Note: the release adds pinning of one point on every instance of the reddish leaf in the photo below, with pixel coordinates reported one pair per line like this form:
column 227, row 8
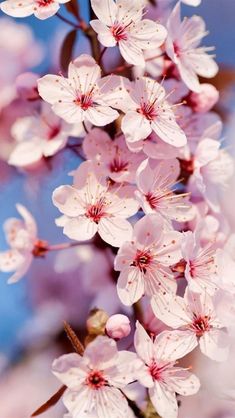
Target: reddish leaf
column 73, row 8
column 66, row 54
column 51, row 402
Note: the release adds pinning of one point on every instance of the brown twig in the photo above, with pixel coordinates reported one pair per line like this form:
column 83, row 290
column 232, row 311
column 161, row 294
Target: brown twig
column 73, row 338
column 51, row 402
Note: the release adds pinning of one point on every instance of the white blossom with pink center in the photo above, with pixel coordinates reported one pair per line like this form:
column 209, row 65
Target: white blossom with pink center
column 200, row 263
column 91, row 206
column 195, row 319
column 144, row 261
column 183, row 47
column 94, row 381
column 21, row 235
column 42, row 9
column 111, row 157
column 214, row 168
column 148, row 110
column 157, row 190
column 158, row 373
column 120, row 23
column 84, row 95
column 40, row 135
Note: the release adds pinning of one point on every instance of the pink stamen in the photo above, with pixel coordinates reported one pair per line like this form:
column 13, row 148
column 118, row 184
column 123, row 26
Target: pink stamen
column 84, row 100
column 95, row 380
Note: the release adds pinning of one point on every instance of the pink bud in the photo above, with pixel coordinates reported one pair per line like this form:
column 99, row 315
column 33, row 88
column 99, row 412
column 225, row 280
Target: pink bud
column 202, row 102
column 26, row 85
column 118, row 326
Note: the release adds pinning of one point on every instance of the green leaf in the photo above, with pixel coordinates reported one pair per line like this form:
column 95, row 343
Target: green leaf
column 66, row 54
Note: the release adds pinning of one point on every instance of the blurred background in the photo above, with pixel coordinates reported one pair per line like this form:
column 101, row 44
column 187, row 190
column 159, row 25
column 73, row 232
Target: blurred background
column 31, row 311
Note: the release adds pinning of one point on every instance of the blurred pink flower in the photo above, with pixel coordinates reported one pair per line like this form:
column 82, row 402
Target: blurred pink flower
column 21, row 236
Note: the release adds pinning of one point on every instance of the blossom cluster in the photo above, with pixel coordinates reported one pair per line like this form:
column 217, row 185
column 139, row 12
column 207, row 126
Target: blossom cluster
column 143, row 206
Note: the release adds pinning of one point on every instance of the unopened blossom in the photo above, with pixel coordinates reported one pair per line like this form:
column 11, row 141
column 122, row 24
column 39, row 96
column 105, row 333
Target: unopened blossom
column 40, row 135
column 200, row 263
column 42, row 9
column 213, row 168
column 195, row 318
column 118, row 326
column 120, row 23
column 144, row 261
column 111, row 157
column 148, row 110
column 83, row 96
column 158, row 373
column 183, row 47
column 21, row 235
column 94, row 381
column 157, row 187
column 91, row 206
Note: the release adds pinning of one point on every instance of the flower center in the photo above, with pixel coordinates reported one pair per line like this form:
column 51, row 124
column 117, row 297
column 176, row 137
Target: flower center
column 119, row 32
column 95, row 379
column 155, row 371
column 84, row 100
column 96, row 211
column 45, row 3
column 142, row 260
column 176, row 49
column 148, row 110
column 117, row 165
column 200, row 324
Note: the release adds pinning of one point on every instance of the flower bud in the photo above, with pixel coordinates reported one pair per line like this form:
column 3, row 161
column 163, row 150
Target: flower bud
column 202, row 102
column 118, row 326
column 96, row 322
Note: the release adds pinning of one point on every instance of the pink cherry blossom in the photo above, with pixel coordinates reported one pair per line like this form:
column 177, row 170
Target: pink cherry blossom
column 154, row 147
column 118, row 326
column 195, row 318
column 83, row 96
column 91, row 206
column 120, row 23
column 197, row 126
column 26, row 85
column 203, row 101
column 200, row 268
column 158, row 373
column 111, row 157
column 214, row 168
column 144, row 261
column 41, row 135
column 182, row 46
column 42, row 9
column 21, row 236
column 148, row 110
column 157, row 184
column 94, row 381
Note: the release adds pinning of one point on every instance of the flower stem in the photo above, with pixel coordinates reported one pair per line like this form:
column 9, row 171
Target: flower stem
column 69, row 22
